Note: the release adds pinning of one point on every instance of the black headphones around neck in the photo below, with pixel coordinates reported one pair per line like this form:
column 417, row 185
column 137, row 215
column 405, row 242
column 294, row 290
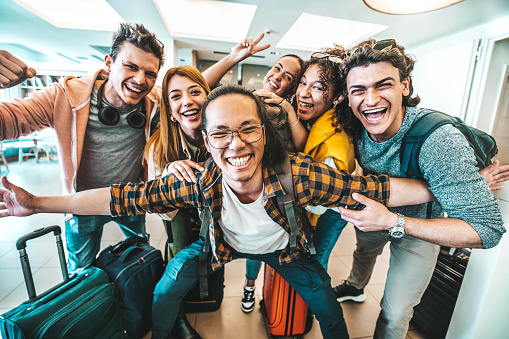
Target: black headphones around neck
column 110, row 116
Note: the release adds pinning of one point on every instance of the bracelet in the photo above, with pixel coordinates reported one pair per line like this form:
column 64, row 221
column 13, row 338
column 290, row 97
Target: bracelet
column 296, row 122
column 281, row 101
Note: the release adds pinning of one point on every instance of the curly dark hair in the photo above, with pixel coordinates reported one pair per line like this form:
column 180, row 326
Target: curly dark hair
column 140, row 37
column 274, row 152
column 363, row 55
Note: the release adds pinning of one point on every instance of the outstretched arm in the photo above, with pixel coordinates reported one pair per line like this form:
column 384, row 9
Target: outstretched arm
column 13, row 71
column 243, row 50
column 441, row 231
column 15, row 201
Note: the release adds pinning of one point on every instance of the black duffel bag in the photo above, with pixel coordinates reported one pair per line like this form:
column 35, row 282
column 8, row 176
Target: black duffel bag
column 135, row 267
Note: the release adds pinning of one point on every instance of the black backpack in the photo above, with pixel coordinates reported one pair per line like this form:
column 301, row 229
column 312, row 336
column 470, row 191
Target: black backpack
column 484, row 145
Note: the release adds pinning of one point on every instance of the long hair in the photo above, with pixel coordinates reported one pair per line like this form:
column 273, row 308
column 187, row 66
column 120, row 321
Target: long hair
column 274, row 152
column 140, row 37
column 164, row 145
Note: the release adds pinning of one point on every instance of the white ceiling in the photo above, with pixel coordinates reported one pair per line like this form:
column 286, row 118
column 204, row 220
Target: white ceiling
column 24, row 33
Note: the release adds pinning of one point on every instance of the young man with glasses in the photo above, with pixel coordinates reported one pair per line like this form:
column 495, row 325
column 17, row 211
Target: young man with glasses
column 101, row 123
column 239, row 188
column 379, row 90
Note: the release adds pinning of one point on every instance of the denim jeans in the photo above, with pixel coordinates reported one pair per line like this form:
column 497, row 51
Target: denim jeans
column 83, row 235
column 305, row 275
column 327, row 231
column 411, row 266
column 252, row 269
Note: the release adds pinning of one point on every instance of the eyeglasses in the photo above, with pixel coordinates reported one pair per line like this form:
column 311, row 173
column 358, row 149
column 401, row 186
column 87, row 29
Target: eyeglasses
column 222, row 138
column 320, row 55
column 382, row 46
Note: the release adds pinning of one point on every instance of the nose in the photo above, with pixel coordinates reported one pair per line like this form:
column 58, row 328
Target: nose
column 186, row 99
column 236, row 142
column 372, row 97
column 304, row 91
column 139, row 77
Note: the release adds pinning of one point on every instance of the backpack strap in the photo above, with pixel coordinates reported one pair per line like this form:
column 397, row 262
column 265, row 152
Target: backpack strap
column 205, row 216
column 415, row 137
column 288, row 207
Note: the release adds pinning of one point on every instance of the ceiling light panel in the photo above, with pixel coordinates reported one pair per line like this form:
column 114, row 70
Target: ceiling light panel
column 205, row 19
column 408, row 6
column 312, row 32
column 77, row 14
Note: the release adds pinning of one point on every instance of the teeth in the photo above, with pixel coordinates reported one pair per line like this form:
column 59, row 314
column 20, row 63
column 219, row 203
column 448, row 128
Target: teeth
column 374, row 115
column 273, row 84
column 304, row 104
column 131, row 88
column 237, row 162
column 376, row 110
column 191, row 112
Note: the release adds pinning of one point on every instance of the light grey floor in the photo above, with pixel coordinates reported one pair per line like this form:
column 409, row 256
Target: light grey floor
column 229, row 321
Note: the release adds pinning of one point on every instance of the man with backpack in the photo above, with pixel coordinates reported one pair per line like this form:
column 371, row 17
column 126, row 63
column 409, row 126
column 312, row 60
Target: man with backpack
column 379, row 91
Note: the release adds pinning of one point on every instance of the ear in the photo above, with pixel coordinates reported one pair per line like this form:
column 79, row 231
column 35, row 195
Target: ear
column 108, row 60
column 406, row 87
column 206, row 141
column 339, row 100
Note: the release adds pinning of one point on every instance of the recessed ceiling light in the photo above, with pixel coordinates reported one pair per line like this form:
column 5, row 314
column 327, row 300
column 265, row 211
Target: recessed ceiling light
column 211, row 20
column 78, row 14
column 408, row 6
column 307, row 32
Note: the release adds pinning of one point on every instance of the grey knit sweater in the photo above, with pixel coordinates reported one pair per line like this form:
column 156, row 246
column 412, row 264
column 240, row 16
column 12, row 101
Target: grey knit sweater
column 448, row 164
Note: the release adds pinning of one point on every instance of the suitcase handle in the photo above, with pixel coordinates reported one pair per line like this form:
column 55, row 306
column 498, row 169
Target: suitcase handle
column 25, row 264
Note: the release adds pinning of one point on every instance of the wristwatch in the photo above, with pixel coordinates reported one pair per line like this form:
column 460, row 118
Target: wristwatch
column 398, row 231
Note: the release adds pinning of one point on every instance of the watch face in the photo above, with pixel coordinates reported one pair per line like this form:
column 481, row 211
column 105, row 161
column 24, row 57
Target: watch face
column 397, row 232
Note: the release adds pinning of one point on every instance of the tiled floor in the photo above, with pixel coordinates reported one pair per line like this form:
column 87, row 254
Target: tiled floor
column 228, row 322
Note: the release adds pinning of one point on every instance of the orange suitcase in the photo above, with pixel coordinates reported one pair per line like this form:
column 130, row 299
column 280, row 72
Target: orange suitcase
column 284, row 309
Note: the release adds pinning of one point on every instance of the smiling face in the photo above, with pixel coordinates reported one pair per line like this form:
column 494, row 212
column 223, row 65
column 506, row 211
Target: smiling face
column 280, row 77
column 312, row 98
column 186, row 99
column 375, row 94
column 240, row 163
column 132, row 75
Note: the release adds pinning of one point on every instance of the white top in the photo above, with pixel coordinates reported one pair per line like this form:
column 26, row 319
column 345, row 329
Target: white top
column 248, row 228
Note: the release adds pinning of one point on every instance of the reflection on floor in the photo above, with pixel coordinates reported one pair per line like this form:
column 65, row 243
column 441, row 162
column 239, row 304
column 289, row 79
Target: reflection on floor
column 228, row 322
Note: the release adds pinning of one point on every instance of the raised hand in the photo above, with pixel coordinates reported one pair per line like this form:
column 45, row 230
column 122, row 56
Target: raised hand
column 13, row 71
column 248, row 47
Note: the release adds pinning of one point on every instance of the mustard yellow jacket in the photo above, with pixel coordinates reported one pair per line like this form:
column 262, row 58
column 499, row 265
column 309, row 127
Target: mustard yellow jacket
column 325, row 142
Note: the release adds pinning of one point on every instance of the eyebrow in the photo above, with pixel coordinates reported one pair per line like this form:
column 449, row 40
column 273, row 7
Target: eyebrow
column 245, row 123
column 178, row 90
column 376, row 83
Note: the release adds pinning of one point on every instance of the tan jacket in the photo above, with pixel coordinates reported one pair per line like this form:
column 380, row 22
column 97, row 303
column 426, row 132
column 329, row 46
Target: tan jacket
column 64, row 107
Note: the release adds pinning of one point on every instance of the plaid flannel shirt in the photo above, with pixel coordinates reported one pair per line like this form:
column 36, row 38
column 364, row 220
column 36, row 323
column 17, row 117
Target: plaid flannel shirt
column 315, row 184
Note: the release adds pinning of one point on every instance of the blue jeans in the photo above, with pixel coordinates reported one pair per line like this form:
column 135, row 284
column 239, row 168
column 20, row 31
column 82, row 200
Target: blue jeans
column 327, row 231
column 305, row 275
column 83, row 235
column 252, row 269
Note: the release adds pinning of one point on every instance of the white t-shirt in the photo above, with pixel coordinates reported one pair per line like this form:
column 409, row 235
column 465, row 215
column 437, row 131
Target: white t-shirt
column 248, row 228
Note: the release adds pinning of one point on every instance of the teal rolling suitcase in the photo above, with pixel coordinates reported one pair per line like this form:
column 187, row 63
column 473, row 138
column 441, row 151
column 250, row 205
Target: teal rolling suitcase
column 84, row 305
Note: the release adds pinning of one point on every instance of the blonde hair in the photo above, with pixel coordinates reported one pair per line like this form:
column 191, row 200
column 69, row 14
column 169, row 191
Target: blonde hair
column 164, row 145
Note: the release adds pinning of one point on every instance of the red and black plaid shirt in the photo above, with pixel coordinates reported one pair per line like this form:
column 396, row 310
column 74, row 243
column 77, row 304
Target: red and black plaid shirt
column 315, row 184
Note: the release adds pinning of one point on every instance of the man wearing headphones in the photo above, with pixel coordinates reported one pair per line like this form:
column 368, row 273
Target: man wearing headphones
column 101, row 123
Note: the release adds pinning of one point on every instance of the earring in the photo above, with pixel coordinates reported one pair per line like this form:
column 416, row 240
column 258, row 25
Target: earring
column 335, row 104
column 173, row 119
